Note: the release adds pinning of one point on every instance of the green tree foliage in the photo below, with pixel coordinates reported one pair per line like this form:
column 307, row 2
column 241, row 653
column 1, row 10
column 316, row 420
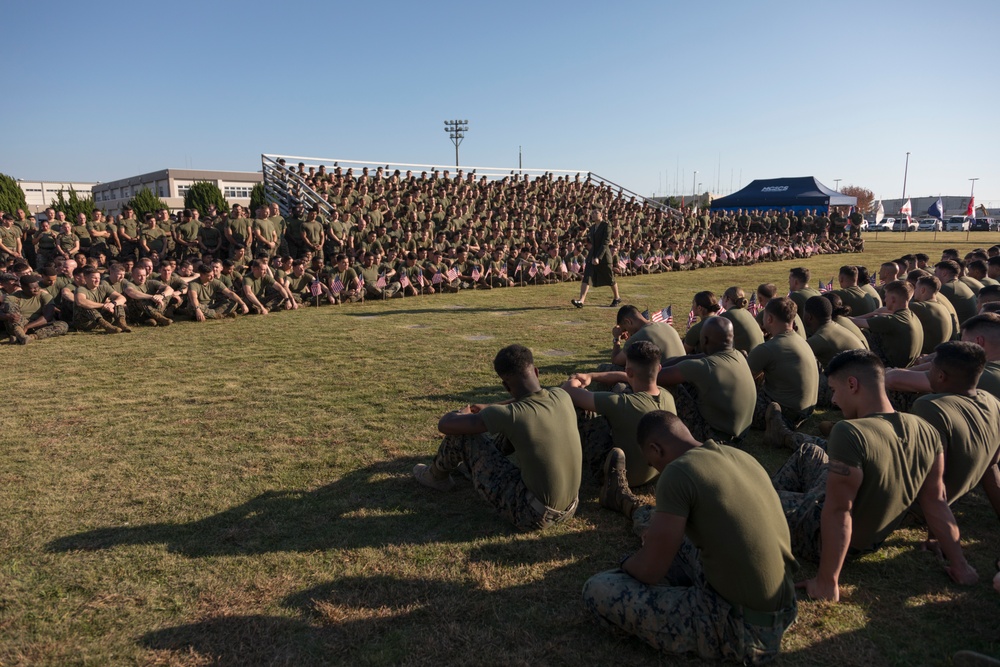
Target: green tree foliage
column 258, row 197
column 204, row 193
column 73, row 205
column 11, row 195
column 146, row 202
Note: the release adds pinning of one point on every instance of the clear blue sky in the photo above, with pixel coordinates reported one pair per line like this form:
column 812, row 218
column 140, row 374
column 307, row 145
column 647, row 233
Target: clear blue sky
column 638, row 92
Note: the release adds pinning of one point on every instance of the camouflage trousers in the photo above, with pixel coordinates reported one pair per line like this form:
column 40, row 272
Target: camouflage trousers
column 792, row 416
column 684, row 614
column 498, row 480
column 88, row 319
column 215, row 310
column 686, row 400
column 271, row 300
column 597, row 441
column 825, row 396
column 801, row 487
column 138, row 310
column 17, row 332
column 903, row 400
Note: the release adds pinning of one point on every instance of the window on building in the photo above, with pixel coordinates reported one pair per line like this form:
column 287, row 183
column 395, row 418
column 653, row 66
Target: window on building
column 182, row 190
column 237, row 191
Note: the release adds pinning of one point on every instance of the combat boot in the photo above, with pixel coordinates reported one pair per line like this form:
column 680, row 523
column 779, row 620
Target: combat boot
column 120, row 323
column 776, row 432
column 615, row 494
column 108, row 327
column 17, row 333
column 162, row 320
column 428, row 475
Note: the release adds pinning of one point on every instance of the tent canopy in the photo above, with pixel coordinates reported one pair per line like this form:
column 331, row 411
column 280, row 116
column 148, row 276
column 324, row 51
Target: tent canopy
column 793, row 193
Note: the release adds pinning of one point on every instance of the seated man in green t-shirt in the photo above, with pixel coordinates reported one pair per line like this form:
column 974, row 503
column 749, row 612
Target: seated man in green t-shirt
column 714, row 390
column 967, row 419
column 826, row 339
column 784, row 367
column 262, row 293
column 631, row 322
column 894, row 332
column 538, row 426
column 96, row 302
column 844, row 496
column 29, row 314
column 608, row 419
column 714, row 574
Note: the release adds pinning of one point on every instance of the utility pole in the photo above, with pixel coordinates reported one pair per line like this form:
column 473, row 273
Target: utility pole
column 973, row 193
column 694, row 181
column 456, row 130
column 906, row 170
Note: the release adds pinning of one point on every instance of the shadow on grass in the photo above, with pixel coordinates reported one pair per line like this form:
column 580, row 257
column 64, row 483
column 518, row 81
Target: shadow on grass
column 453, row 309
column 373, row 506
column 384, row 619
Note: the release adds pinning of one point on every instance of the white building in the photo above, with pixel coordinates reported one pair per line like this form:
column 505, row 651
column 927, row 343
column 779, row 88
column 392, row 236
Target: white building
column 39, row 194
column 171, row 185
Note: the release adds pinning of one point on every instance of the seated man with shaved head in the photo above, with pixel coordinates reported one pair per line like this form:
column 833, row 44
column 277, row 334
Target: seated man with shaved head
column 714, row 574
column 714, row 390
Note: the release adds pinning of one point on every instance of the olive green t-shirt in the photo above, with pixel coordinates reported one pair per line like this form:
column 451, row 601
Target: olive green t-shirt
column 661, row 334
column 258, row 286
column 207, row 292
column 970, row 431
column 895, row 451
column 962, row 298
column 936, row 322
column 727, row 393
column 853, row 328
column 801, row 296
column 100, row 295
column 990, row 379
column 693, row 336
column 746, row 332
column 542, row 427
column 791, row 376
column 860, row 302
column 735, row 519
column 623, row 412
column 901, row 336
column 873, row 293
column 830, row 340
column 31, row 307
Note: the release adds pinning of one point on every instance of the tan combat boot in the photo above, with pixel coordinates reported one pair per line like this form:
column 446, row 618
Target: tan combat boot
column 615, row 494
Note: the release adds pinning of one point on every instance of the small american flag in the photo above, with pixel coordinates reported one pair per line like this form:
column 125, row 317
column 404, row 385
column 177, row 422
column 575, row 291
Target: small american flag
column 532, row 270
column 361, row 281
column 336, row 286
column 871, row 281
column 546, row 270
column 665, row 315
column 518, row 269
column 380, row 283
column 828, row 287
column 574, row 266
column 475, row 274
column 622, row 263
column 315, row 288
column 452, row 274
column 691, row 318
column 503, row 270
column 682, row 259
column 437, row 279
column 699, row 258
column 638, row 261
column 421, row 280
column 562, row 267
column 753, row 307
column 404, row 281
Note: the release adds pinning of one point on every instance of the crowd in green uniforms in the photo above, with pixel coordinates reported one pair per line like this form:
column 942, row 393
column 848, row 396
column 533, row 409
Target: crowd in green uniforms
column 721, row 542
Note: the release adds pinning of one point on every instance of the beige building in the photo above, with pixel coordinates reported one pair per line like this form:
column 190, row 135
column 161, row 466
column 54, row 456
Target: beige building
column 39, row 194
column 171, row 185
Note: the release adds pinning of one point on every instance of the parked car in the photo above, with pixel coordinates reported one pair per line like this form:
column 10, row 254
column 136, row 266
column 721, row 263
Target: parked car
column 884, row 226
column 983, row 225
column 957, row 223
column 901, row 225
column 929, row 225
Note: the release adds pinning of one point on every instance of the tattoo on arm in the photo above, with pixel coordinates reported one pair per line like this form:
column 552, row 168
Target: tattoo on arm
column 839, row 468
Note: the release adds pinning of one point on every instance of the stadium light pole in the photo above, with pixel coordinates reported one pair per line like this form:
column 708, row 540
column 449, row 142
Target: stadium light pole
column 836, row 184
column 906, row 170
column 456, row 130
column 694, row 181
column 973, row 193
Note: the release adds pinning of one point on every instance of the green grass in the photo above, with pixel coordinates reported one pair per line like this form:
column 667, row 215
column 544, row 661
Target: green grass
column 239, row 493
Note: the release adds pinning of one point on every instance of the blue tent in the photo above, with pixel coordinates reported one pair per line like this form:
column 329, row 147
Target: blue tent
column 796, row 194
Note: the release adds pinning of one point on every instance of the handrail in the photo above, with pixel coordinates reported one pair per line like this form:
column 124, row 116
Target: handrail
column 621, row 190
column 427, row 167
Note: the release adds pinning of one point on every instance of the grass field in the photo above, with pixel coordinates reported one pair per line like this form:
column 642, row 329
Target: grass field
column 239, row 493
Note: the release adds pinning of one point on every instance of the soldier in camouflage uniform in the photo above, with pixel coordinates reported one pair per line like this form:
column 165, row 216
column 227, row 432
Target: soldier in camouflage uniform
column 538, row 426
column 736, row 602
column 95, row 302
column 29, row 314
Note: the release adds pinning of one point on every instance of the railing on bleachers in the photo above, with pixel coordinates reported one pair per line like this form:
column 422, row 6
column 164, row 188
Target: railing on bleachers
column 284, row 186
